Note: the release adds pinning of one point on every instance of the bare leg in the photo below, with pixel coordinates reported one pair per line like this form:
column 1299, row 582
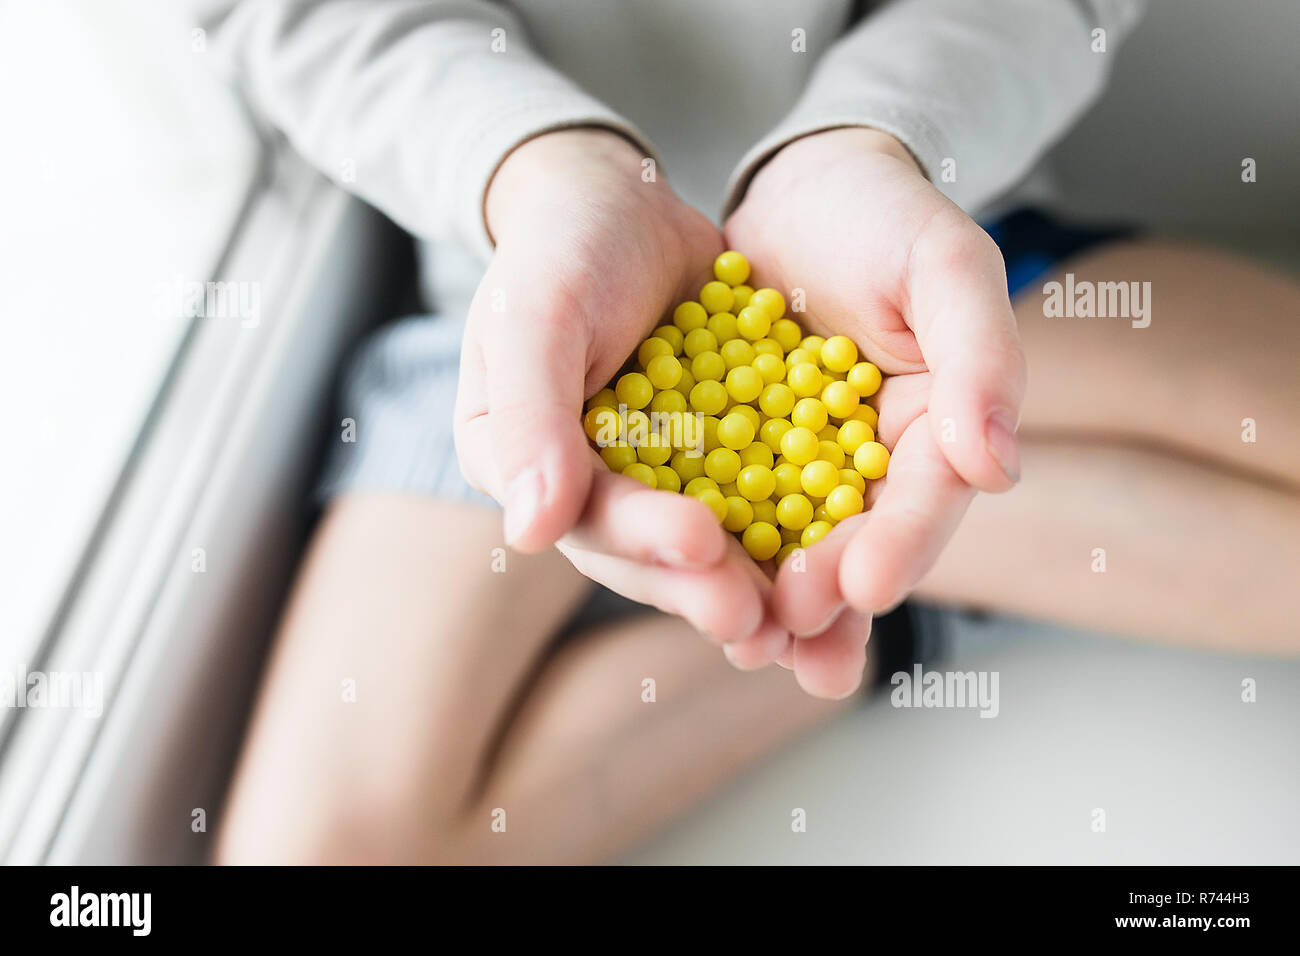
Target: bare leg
column 1223, row 345
column 397, row 595
column 1191, row 555
column 589, row 768
column 1133, row 444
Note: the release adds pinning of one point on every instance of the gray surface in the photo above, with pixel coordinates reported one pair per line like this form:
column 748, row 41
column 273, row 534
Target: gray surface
column 1159, row 738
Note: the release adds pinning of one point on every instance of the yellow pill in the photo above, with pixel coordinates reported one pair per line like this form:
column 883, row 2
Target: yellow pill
column 840, row 399
column 731, row 267
column 828, row 432
column 708, row 367
column 800, row 356
column 809, row 413
column 742, row 293
column 708, row 398
column 723, row 326
column 777, row 400
column 748, row 411
column 715, row 502
column 785, row 552
column 843, row 502
column 686, row 384
column 690, row 316
column 739, row 514
column 617, row 457
column 722, row 465
column 814, row 533
column 636, row 427
column 602, row 425
column 737, row 353
column 642, row 473
column 634, row 390
column 787, row 333
column 853, row 433
column 709, row 425
column 785, row 477
column 753, row 322
column 830, row 376
column 794, row 512
column 804, row 379
column 790, row 535
column 729, row 490
column 819, row 478
column 756, row 453
column 761, row 540
column 771, row 432
column 771, row 300
column 799, row 445
column 686, row 430
column 813, row 344
column 865, row 379
column 717, row 297
column 735, row 431
column 672, row 335
column 770, row 368
column 770, row 347
column 765, row 510
column 605, row 398
column 829, row 451
column 666, row 479
column 819, row 513
column 865, row 413
column 670, row 402
column 697, row 486
column 756, row 482
column 650, row 348
column 839, row 353
column 688, row 466
column 850, row 477
column 744, row 383
column 697, row 341
column 654, row 451
column 664, row 371
column 871, row 460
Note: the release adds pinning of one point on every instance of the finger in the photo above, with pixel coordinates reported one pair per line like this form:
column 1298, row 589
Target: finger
column 902, row 399
column 806, row 595
column 898, row 540
column 722, row 602
column 831, row 664
column 759, row 649
column 626, row 519
column 959, row 310
column 534, row 352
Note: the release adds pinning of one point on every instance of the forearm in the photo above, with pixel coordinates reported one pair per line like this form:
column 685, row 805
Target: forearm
column 411, row 104
column 975, row 91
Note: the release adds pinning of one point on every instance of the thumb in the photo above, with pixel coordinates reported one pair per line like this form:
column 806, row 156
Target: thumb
column 535, row 361
column 966, row 329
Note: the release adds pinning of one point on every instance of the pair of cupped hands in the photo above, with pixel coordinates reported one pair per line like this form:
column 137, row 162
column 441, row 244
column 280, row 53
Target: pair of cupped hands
column 590, row 257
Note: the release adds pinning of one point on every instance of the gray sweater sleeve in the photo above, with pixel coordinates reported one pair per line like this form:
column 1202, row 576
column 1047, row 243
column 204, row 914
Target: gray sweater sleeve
column 976, row 89
column 410, row 104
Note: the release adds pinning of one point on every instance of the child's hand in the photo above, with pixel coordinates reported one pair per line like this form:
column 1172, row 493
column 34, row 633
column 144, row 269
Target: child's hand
column 886, row 259
column 589, row 258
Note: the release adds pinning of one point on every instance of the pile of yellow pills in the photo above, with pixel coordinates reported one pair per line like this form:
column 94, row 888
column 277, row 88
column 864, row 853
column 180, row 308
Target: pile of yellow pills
column 729, row 402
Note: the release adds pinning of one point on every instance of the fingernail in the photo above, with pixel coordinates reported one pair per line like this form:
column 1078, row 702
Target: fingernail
column 1000, row 440
column 673, row 558
column 830, row 619
column 523, row 501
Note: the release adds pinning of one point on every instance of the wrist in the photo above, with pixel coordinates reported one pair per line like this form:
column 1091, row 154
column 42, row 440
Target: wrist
column 530, row 172
column 823, row 149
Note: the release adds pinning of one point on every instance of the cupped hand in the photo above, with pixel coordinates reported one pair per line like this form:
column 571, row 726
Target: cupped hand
column 589, row 257
column 881, row 256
